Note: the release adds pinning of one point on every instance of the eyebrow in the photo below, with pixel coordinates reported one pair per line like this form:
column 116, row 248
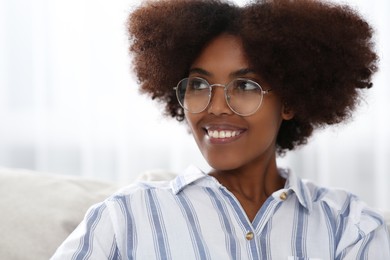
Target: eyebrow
column 242, row 72
column 234, row 74
column 200, row 71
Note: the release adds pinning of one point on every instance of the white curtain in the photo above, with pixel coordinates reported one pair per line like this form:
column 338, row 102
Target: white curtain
column 69, row 104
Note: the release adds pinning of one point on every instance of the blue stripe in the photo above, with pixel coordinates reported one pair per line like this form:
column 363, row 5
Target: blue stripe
column 363, row 251
column 85, row 248
column 243, row 220
column 254, row 249
column 263, row 225
column 265, row 242
column 201, row 251
column 299, row 231
column 377, row 217
column 178, row 184
column 157, row 225
column 344, row 214
column 331, row 225
column 344, row 252
column 114, row 253
column 268, row 229
column 319, row 193
column 302, row 191
column 232, row 244
column 264, row 213
column 131, row 232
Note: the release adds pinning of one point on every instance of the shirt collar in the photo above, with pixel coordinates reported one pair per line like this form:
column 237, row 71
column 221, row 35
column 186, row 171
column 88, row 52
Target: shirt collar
column 296, row 185
column 293, row 184
column 190, row 175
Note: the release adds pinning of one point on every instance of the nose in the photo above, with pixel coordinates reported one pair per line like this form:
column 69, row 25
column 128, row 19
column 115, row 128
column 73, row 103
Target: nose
column 218, row 105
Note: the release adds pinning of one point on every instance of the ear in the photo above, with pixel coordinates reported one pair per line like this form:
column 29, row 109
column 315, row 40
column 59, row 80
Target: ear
column 287, row 112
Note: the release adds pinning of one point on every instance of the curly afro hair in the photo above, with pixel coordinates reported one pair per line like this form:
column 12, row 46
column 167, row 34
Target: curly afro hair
column 317, row 56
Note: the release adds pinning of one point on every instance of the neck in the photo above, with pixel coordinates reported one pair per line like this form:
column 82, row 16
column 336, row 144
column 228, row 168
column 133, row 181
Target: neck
column 252, row 184
column 252, row 181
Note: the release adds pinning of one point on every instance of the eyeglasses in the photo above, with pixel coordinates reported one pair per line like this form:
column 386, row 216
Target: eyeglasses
column 243, row 96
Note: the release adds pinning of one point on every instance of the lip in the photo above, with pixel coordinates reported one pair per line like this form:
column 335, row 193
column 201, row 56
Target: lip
column 223, row 133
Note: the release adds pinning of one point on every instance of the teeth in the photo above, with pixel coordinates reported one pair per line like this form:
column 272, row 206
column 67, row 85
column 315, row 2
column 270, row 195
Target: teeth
column 222, row 134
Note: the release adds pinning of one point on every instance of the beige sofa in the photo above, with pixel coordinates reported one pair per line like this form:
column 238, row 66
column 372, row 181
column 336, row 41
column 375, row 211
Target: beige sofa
column 38, row 211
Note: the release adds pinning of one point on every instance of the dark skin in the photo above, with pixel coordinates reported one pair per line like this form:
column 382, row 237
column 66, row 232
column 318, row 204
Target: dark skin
column 245, row 187
column 244, row 161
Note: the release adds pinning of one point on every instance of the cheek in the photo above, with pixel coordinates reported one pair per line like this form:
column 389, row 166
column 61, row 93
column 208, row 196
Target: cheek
column 264, row 129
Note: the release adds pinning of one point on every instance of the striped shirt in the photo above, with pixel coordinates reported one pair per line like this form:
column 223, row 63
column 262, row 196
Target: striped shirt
column 195, row 217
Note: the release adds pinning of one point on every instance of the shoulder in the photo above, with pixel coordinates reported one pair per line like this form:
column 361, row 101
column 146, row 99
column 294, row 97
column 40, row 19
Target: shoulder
column 358, row 228
column 345, row 211
column 353, row 224
column 155, row 179
column 140, row 187
column 161, row 184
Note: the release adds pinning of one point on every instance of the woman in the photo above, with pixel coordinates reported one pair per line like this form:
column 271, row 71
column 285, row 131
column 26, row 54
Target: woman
column 251, row 83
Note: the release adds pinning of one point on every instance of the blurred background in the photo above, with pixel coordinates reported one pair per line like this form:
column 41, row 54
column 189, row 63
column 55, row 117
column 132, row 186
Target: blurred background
column 69, row 103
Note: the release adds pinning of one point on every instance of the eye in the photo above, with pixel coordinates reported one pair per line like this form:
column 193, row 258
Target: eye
column 198, row 84
column 245, row 85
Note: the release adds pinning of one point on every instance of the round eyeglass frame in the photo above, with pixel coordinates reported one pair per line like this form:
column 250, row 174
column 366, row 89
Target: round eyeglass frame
column 210, row 86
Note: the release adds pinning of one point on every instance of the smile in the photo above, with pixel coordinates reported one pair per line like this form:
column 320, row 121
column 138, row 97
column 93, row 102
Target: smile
column 222, row 134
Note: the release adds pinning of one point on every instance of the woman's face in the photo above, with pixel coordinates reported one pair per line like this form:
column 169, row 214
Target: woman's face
column 229, row 141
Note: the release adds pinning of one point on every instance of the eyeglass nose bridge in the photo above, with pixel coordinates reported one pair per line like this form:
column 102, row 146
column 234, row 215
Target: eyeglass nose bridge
column 227, row 97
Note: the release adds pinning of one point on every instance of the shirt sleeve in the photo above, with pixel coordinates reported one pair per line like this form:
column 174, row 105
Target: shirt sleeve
column 94, row 238
column 366, row 237
column 375, row 245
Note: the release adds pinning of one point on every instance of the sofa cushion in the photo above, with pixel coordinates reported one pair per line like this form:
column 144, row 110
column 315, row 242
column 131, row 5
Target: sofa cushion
column 38, row 211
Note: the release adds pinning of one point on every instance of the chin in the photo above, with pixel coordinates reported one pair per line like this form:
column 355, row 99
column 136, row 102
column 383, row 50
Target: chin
column 222, row 160
column 224, row 165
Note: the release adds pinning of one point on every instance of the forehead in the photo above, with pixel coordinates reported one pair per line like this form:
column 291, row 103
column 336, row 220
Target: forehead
column 223, row 54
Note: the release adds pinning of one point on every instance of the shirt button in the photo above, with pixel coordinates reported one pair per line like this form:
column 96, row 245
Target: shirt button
column 283, row 196
column 249, row 235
